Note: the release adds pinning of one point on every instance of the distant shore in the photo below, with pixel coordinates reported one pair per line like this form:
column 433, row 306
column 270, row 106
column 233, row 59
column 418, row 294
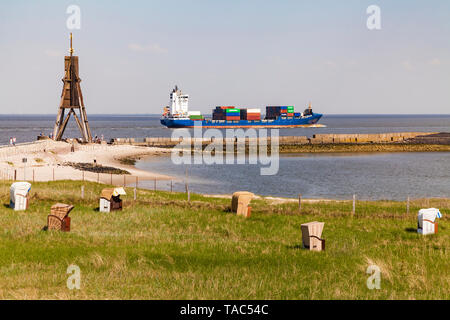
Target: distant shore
column 369, row 148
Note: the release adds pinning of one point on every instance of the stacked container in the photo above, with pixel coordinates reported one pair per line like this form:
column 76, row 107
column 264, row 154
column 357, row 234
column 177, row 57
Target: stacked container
column 290, row 111
column 250, row 114
column 220, row 113
column 232, row 114
column 273, row 112
column 195, row 115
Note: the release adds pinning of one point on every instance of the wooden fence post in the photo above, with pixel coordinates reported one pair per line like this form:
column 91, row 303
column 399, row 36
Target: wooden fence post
column 407, row 206
column 33, row 175
column 135, row 194
column 189, row 195
column 136, row 182
column 111, row 179
column 299, row 203
column 82, row 192
column 186, row 182
column 124, row 180
column 354, row 205
column 171, row 186
column 15, row 174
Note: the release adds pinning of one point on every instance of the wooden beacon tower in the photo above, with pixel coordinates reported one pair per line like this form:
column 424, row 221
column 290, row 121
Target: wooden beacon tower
column 72, row 99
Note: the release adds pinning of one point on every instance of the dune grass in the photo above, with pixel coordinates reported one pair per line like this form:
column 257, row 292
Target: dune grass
column 163, row 247
column 364, row 147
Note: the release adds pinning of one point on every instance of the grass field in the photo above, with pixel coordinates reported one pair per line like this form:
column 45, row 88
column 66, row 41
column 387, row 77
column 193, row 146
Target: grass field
column 163, row 247
column 369, row 147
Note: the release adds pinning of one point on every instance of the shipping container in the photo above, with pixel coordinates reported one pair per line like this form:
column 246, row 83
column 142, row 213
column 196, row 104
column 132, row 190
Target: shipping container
column 225, row 107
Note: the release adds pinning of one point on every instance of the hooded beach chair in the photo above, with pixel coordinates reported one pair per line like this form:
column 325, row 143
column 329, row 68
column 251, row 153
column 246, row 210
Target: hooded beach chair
column 240, row 202
column 426, row 221
column 19, row 195
column 311, row 236
column 110, row 199
column 58, row 219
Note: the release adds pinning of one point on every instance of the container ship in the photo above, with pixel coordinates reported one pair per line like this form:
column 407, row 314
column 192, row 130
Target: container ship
column 177, row 115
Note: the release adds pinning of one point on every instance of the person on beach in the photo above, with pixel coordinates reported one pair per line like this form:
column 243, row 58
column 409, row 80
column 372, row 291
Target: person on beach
column 14, row 141
column 10, row 141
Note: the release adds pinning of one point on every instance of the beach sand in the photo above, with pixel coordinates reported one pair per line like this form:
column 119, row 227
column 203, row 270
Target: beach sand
column 45, row 161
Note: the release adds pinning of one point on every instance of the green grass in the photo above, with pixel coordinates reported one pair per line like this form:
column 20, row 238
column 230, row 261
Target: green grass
column 162, row 247
column 364, row 147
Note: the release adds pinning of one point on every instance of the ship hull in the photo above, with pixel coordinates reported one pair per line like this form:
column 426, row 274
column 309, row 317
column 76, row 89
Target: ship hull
column 223, row 124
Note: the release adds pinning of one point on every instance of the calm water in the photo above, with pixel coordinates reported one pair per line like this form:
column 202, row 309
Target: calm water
column 375, row 176
column 27, row 127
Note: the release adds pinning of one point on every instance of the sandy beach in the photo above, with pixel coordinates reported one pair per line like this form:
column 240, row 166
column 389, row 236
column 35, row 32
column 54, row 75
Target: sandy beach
column 47, row 161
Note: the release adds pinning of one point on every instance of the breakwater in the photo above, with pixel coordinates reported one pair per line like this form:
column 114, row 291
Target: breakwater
column 317, row 139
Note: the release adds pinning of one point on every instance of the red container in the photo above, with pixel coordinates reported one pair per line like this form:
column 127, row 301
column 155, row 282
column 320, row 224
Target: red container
column 290, row 114
column 233, row 118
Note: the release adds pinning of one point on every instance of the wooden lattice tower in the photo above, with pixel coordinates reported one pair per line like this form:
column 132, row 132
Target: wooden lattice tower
column 72, row 99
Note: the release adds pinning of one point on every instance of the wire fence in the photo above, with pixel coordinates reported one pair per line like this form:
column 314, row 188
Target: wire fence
column 356, row 206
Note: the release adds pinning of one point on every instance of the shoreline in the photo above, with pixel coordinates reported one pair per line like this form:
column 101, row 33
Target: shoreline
column 47, row 161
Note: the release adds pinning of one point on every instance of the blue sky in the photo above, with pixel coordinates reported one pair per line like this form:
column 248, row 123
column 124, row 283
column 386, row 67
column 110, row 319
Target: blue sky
column 244, row 53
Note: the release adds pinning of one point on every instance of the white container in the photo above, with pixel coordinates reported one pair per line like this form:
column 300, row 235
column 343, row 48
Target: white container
column 194, row 113
column 253, row 110
column 426, row 221
column 18, row 195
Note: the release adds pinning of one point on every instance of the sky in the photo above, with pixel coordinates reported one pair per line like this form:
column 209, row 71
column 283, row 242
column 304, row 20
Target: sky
column 244, row 53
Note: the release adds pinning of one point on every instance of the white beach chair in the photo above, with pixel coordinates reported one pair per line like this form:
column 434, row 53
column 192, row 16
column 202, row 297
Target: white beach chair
column 426, row 221
column 19, row 195
column 311, row 236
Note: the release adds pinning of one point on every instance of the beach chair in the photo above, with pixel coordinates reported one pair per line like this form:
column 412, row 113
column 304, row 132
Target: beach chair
column 426, row 221
column 59, row 219
column 311, row 236
column 19, row 195
column 240, row 203
column 110, row 199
